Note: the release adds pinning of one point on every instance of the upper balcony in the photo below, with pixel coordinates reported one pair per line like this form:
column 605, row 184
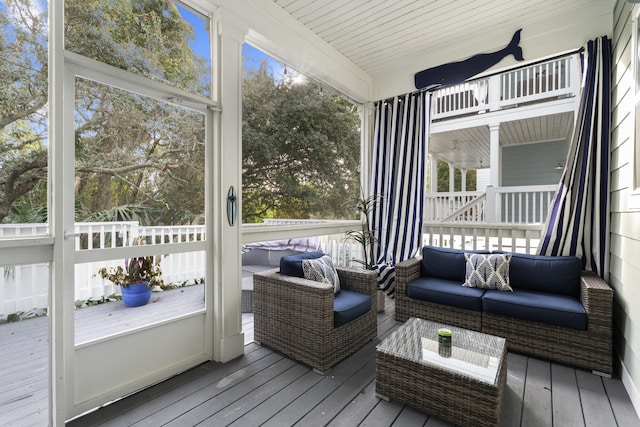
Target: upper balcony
column 531, row 104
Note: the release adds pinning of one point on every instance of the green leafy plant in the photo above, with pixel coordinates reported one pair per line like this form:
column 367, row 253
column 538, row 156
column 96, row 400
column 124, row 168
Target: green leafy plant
column 135, row 271
column 366, row 235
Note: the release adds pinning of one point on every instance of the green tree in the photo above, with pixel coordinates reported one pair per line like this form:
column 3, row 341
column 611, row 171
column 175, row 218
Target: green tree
column 301, row 150
column 23, row 73
column 135, row 157
column 443, row 178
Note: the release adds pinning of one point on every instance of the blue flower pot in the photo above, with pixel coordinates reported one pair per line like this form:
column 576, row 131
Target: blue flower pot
column 135, row 295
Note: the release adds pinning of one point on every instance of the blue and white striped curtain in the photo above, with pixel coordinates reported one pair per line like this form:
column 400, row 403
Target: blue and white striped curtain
column 578, row 222
column 398, row 172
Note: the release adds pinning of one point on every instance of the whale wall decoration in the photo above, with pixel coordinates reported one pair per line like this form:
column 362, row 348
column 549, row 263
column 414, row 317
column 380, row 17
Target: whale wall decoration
column 457, row 72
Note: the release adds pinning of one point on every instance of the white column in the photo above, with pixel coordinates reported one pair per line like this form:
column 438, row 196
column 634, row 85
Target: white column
column 495, row 155
column 451, row 178
column 366, row 112
column 227, row 292
column 61, row 210
column 434, row 175
column 463, row 183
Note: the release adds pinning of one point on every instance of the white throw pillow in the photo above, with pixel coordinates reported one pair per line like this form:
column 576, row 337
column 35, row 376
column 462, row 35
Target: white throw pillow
column 487, row 271
column 321, row 270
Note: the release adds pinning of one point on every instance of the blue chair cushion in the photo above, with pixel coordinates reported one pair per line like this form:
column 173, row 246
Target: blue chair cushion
column 553, row 309
column 348, row 305
column 291, row 265
column 445, row 292
column 444, row 263
column 552, row 274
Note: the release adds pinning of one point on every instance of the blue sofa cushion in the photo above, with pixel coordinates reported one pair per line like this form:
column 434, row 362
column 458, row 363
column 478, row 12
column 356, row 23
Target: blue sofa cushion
column 291, row 265
column 444, row 263
column 445, row 292
column 553, row 309
column 553, row 274
column 348, row 305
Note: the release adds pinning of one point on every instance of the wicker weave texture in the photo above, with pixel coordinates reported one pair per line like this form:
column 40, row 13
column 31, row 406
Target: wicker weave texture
column 589, row 349
column 295, row 317
column 454, row 397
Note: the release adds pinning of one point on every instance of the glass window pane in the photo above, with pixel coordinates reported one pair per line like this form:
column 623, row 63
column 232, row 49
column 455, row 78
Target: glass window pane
column 101, row 310
column 24, row 334
column 300, row 145
column 158, row 39
column 23, row 117
column 139, row 163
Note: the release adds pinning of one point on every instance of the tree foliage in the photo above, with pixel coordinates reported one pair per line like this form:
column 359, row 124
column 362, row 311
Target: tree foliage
column 136, row 158
column 443, row 178
column 23, row 73
column 301, row 150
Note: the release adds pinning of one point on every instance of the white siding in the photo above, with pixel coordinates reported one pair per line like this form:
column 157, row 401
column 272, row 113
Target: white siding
column 625, row 222
column 533, row 164
column 483, row 178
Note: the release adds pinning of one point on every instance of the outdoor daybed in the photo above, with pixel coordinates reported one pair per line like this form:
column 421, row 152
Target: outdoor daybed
column 554, row 310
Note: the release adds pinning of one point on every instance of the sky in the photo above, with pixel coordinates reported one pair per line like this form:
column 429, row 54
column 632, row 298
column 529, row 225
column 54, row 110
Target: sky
column 252, row 56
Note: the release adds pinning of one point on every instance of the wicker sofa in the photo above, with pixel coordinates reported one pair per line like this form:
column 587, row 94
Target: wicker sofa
column 587, row 346
column 296, row 316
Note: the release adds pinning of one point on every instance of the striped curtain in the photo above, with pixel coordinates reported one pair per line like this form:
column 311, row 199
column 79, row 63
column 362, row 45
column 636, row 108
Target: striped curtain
column 578, row 222
column 398, row 175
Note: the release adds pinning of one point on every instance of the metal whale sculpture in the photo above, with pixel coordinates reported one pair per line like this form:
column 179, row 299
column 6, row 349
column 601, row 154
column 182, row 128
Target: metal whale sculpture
column 457, row 72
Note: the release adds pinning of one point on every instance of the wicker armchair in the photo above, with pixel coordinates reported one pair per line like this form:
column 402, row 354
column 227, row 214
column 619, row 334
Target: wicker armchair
column 295, row 316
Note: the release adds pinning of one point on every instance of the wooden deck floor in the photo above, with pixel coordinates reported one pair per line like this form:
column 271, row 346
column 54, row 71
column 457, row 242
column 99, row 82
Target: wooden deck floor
column 265, row 388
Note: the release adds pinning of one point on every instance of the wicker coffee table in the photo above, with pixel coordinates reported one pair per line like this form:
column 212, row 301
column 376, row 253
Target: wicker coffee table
column 462, row 384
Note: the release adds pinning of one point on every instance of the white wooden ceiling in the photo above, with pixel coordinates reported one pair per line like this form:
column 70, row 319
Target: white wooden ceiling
column 381, row 35
column 469, row 148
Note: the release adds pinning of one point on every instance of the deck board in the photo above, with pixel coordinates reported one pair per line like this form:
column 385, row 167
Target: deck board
column 263, row 387
column 565, row 397
column 537, row 394
column 595, row 404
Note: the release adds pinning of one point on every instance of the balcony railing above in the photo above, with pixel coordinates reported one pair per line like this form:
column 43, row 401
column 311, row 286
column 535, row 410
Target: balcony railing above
column 499, row 205
column 551, row 79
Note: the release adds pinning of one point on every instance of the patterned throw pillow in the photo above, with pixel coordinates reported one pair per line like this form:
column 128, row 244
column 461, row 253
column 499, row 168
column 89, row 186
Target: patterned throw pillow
column 321, row 270
column 486, row 271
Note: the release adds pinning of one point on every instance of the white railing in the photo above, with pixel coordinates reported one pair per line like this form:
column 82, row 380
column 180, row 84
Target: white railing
column 439, row 206
column 499, row 205
column 519, row 205
column 555, row 78
column 514, row 238
column 25, row 287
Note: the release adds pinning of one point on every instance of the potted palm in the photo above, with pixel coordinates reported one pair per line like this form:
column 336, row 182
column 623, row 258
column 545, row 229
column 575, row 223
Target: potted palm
column 365, row 236
column 136, row 279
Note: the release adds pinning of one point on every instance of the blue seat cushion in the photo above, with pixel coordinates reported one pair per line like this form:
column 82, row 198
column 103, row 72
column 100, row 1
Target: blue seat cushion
column 445, row 292
column 552, row 274
column 348, row 305
column 291, row 265
column 553, row 309
column 444, row 263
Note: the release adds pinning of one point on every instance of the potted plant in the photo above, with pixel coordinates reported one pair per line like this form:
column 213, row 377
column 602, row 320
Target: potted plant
column 136, row 279
column 365, row 236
